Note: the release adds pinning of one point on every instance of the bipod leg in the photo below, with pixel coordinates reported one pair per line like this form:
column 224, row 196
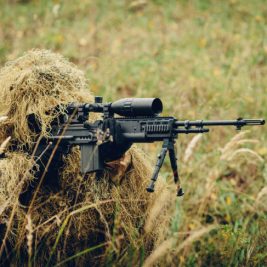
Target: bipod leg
column 159, row 163
column 174, row 166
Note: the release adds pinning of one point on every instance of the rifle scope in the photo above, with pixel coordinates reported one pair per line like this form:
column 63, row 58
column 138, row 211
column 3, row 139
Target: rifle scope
column 137, row 107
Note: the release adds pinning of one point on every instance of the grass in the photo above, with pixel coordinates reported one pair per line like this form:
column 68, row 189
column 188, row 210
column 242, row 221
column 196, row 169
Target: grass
column 206, row 60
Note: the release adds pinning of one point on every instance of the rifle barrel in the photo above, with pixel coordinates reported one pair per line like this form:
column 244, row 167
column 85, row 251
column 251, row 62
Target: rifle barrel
column 238, row 123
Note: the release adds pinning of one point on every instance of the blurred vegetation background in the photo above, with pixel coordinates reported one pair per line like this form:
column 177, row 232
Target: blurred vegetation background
column 205, row 59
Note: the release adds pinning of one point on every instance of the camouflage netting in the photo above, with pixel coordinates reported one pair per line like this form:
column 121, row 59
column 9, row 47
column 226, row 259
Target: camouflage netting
column 111, row 211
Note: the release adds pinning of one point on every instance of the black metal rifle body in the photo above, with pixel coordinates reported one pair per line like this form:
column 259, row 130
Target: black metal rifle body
column 110, row 137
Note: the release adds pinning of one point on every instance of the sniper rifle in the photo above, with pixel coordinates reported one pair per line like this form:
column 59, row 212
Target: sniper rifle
column 125, row 122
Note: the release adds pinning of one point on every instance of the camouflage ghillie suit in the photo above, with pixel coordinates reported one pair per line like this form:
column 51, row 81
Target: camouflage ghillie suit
column 50, row 213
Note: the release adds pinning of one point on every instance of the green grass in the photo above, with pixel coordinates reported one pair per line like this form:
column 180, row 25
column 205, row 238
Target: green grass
column 205, row 60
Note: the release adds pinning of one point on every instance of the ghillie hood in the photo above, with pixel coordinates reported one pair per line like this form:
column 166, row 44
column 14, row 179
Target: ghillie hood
column 36, row 83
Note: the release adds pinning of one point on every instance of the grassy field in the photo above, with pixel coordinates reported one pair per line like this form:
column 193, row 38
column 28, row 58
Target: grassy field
column 206, row 60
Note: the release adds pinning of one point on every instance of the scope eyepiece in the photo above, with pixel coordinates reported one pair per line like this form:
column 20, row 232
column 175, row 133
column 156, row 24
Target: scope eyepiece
column 137, row 107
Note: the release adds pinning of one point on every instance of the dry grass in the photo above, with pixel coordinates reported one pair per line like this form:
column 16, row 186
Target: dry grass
column 3, row 146
column 205, row 60
column 29, row 228
column 191, row 146
column 169, row 244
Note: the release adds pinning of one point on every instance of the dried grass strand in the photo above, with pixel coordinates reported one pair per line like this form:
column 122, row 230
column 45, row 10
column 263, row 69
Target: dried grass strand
column 245, row 151
column 4, row 145
column 167, row 245
column 190, row 148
